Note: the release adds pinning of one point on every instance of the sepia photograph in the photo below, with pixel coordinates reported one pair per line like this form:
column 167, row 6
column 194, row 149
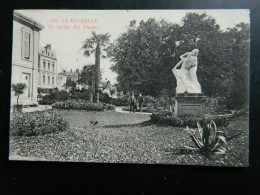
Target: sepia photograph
column 131, row 86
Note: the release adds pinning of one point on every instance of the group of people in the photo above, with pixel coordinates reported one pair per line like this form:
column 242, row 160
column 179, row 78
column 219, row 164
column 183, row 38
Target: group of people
column 136, row 101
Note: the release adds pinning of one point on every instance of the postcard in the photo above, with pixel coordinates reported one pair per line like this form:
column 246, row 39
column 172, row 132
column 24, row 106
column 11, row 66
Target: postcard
column 131, row 86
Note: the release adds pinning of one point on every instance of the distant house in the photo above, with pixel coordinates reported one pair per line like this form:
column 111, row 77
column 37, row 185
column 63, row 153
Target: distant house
column 25, row 56
column 64, row 76
column 47, row 68
column 61, row 80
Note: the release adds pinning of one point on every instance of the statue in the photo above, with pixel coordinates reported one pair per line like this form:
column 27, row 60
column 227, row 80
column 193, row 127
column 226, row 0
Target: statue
column 186, row 76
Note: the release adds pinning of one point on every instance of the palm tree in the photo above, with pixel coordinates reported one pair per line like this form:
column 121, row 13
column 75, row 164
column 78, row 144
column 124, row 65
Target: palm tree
column 96, row 44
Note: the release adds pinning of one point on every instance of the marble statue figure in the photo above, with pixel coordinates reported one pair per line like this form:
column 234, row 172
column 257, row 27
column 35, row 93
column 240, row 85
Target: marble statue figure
column 186, row 75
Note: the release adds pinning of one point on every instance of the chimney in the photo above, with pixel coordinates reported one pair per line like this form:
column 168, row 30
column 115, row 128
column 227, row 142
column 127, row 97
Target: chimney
column 77, row 70
column 70, row 70
column 48, row 46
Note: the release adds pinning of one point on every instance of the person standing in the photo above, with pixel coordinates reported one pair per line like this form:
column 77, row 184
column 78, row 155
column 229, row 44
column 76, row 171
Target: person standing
column 140, row 101
column 132, row 103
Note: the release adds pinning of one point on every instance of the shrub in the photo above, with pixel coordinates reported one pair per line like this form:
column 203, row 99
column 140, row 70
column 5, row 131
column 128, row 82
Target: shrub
column 109, row 107
column 160, row 104
column 167, row 118
column 79, row 95
column 54, row 97
column 120, row 101
column 36, row 123
column 104, row 97
column 82, row 105
column 47, row 90
column 215, row 105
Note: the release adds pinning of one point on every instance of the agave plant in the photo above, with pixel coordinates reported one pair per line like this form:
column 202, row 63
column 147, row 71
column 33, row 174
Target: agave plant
column 210, row 140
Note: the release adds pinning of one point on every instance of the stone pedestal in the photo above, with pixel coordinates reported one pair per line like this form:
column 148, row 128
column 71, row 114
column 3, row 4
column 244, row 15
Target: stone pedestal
column 189, row 104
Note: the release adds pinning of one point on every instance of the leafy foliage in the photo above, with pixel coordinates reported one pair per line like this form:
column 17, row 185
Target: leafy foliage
column 47, row 90
column 215, row 105
column 36, row 123
column 210, row 141
column 70, row 84
column 82, row 105
column 144, row 56
column 86, row 76
column 55, row 96
column 18, row 89
column 168, row 119
column 120, row 101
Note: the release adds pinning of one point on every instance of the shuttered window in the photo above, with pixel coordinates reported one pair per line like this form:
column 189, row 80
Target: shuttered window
column 26, row 44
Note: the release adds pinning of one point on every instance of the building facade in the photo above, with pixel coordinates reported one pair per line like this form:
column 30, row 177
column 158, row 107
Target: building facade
column 47, row 68
column 25, row 56
column 70, row 75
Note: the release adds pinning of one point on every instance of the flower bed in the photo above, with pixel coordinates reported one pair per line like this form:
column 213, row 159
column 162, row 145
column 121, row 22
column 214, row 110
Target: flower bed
column 36, row 123
column 82, row 105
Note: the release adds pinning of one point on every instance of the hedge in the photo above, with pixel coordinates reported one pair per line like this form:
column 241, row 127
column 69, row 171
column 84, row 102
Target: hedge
column 82, row 105
column 167, row 118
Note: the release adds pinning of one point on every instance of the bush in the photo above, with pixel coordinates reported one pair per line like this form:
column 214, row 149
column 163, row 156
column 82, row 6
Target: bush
column 104, row 97
column 167, row 118
column 54, row 97
column 215, row 105
column 36, row 123
column 120, row 101
column 47, row 90
column 162, row 103
column 109, row 107
column 79, row 95
column 82, row 105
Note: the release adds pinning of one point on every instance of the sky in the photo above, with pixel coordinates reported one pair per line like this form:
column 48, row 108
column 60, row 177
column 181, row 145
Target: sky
column 67, row 42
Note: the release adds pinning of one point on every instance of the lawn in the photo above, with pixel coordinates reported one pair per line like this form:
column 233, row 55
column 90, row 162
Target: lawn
column 124, row 138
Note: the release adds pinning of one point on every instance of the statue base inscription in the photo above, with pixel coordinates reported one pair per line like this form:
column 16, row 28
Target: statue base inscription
column 189, row 104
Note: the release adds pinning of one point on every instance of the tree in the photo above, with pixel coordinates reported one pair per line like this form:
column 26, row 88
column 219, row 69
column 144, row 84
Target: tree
column 144, row 56
column 86, row 76
column 96, row 44
column 236, row 60
column 18, row 89
column 71, row 85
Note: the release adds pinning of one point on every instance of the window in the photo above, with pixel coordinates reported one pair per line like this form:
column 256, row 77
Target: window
column 26, row 44
column 53, row 68
column 43, row 79
column 48, row 80
column 49, row 66
column 44, row 65
column 53, row 80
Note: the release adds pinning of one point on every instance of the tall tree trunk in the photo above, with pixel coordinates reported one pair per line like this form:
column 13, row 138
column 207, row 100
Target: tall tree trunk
column 97, row 73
